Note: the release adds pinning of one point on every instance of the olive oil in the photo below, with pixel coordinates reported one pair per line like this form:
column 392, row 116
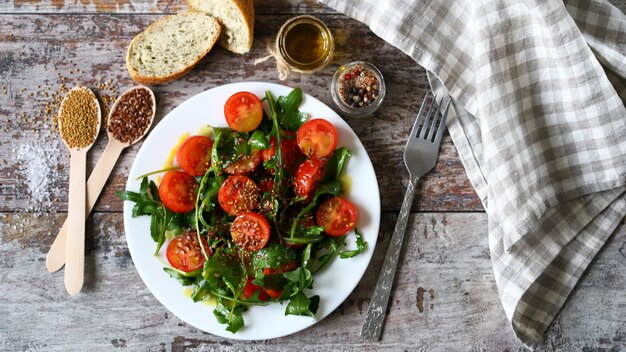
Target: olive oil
column 305, row 44
column 169, row 161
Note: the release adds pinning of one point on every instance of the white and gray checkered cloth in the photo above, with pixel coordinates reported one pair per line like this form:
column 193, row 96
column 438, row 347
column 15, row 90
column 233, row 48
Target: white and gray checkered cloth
column 539, row 123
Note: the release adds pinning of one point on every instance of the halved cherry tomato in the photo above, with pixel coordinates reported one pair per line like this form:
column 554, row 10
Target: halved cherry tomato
column 250, row 288
column 273, row 293
column 285, row 268
column 317, row 138
column 184, row 252
column 238, row 194
column 194, row 155
column 337, row 216
column 250, row 231
column 292, row 156
column 178, row 191
column 245, row 164
column 266, row 184
column 307, row 176
column 243, row 112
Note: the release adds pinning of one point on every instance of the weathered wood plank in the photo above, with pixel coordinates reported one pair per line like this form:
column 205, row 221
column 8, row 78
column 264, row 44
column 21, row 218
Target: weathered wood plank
column 444, row 298
column 149, row 6
column 155, row 6
column 39, row 53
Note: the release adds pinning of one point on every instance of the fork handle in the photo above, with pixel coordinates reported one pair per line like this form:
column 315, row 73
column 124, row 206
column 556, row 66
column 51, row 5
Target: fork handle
column 373, row 324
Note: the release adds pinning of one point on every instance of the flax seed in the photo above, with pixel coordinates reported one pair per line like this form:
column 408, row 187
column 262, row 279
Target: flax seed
column 132, row 116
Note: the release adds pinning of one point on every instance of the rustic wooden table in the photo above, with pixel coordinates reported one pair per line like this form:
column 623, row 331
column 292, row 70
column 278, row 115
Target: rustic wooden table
column 444, row 297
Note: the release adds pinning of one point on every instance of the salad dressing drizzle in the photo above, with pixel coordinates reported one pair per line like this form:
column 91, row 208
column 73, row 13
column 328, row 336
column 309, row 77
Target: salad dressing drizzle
column 169, row 161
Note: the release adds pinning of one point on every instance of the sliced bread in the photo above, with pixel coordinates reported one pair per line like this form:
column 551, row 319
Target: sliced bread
column 237, row 19
column 171, row 47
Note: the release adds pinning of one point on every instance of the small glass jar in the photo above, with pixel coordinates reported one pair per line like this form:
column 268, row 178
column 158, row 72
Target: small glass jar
column 305, row 44
column 358, row 88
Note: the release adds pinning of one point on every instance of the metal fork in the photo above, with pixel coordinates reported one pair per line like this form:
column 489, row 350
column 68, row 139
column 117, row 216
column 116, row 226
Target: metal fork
column 420, row 155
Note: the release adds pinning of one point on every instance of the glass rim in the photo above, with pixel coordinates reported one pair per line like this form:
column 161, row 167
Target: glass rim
column 325, row 32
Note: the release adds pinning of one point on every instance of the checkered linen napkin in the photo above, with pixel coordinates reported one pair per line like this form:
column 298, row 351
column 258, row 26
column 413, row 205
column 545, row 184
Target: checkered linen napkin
column 539, row 125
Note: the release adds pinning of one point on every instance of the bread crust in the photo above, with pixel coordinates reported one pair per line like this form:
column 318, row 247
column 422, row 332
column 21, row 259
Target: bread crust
column 156, row 80
column 246, row 8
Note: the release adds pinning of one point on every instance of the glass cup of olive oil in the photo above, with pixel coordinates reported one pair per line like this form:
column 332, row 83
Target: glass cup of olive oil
column 305, row 44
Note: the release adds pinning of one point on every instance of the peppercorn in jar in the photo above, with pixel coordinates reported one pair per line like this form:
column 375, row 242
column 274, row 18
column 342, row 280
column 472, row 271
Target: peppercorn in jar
column 358, row 89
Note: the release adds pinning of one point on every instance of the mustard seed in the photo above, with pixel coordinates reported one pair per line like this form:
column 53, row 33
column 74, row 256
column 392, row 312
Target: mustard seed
column 78, row 118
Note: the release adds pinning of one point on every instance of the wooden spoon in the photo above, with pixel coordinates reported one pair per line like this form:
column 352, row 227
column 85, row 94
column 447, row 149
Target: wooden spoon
column 100, row 174
column 75, row 246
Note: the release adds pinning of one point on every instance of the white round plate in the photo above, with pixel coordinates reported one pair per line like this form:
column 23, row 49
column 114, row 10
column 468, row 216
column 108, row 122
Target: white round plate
column 333, row 285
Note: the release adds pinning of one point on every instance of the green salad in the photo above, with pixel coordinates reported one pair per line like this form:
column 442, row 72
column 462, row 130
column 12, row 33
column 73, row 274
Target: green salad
column 251, row 215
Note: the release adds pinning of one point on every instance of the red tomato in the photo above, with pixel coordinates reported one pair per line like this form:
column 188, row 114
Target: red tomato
column 287, row 267
column 266, row 184
column 245, row 164
column 250, row 288
column 178, row 191
column 307, row 176
column 273, row 293
column 184, row 252
column 250, row 231
column 194, row 155
column 243, row 112
column 238, row 194
column 292, row 156
column 317, row 138
column 337, row 216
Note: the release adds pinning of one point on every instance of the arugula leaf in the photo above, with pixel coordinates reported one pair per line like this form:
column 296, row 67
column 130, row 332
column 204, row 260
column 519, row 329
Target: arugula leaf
column 233, row 316
column 172, row 168
column 228, row 147
column 278, row 156
column 289, row 116
column 174, row 274
column 258, row 140
column 179, row 222
column 154, row 190
column 216, row 157
column 334, row 243
column 201, row 291
column 223, row 270
column 147, row 202
column 298, row 280
column 206, row 201
column 273, row 255
column 301, row 305
column 157, row 223
column 304, row 239
column 336, row 164
column 360, row 247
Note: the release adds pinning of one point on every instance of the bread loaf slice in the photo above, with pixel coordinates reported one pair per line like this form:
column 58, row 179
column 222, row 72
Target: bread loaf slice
column 237, row 19
column 171, row 47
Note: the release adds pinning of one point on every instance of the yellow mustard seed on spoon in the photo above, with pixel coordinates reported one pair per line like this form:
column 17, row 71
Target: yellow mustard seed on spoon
column 79, row 118
column 79, row 123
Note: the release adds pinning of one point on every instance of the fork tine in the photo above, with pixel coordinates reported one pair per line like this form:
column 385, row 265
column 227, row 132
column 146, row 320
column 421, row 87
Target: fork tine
column 442, row 124
column 420, row 117
column 422, row 134
column 433, row 124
